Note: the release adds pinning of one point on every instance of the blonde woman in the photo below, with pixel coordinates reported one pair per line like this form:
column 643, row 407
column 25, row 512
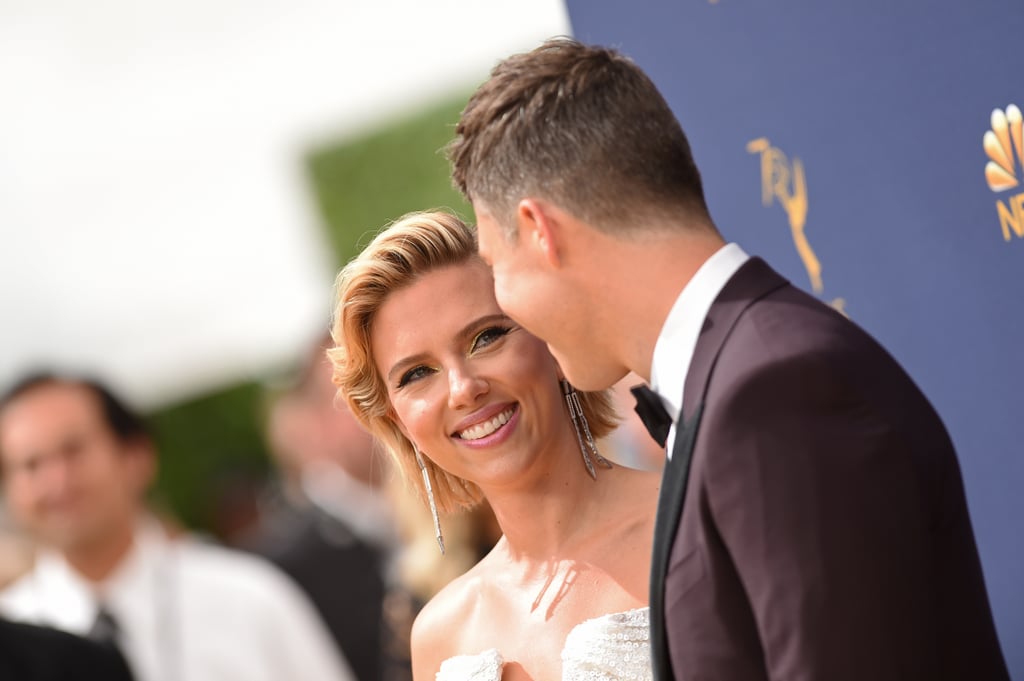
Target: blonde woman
column 472, row 406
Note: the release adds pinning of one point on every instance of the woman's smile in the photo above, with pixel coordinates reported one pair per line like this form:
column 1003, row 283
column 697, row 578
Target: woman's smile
column 463, row 377
column 491, row 431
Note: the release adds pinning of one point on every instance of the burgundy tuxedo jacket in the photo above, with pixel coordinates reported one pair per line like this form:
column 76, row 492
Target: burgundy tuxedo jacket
column 812, row 523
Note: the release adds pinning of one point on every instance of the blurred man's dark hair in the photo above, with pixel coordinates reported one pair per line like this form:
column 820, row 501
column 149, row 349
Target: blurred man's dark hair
column 123, row 421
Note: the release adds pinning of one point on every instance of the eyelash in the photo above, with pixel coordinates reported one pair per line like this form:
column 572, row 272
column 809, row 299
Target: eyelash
column 420, row 371
column 500, row 331
column 413, row 374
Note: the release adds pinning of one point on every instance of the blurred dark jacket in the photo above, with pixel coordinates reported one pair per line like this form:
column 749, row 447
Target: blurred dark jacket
column 341, row 569
column 32, row 653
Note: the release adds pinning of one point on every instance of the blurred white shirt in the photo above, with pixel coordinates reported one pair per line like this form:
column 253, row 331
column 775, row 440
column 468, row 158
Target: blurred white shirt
column 187, row 611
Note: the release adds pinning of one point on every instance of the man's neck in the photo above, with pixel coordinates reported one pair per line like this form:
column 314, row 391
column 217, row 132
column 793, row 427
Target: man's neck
column 654, row 272
column 98, row 560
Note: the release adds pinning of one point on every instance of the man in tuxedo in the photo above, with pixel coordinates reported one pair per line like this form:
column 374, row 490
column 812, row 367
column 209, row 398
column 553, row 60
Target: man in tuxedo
column 812, row 521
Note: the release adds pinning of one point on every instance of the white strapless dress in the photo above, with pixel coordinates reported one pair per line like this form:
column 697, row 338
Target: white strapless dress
column 614, row 647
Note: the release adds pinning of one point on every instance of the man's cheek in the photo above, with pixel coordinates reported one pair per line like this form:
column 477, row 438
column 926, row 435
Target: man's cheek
column 506, row 300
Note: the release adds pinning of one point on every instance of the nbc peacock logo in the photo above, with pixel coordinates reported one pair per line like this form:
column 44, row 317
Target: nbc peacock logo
column 1003, row 143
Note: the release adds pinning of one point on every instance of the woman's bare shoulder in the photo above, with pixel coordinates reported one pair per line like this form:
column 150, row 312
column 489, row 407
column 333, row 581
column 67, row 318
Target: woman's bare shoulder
column 440, row 627
column 446, row 608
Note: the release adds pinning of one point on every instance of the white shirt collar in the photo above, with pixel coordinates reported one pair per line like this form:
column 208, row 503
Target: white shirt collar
column 73, row 599
column 674, row 348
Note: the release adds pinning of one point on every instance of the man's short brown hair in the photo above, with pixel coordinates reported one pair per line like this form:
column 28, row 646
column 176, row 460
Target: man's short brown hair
column 578, row 125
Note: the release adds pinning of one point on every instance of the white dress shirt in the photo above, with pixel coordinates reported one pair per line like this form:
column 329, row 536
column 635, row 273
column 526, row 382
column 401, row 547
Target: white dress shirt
column 674, row 348
column 187, row 611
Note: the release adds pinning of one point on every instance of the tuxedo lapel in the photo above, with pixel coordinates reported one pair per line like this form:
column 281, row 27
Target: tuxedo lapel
column 670, row 506
column 752, row 281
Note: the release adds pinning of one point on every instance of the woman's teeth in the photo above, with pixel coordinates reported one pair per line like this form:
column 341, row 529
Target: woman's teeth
column 487, row 427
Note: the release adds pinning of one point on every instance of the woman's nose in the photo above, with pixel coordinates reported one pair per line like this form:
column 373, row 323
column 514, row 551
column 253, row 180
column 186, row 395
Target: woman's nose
column 464, row 387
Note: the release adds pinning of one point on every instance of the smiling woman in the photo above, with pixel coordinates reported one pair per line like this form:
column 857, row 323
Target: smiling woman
column 413, row 247
column 431, row 365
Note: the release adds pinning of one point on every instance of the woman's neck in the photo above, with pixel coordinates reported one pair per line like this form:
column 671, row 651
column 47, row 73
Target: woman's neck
column 549, row 515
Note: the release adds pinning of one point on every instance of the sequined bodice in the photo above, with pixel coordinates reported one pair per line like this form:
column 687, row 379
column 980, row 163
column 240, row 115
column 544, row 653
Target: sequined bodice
column 614, row 647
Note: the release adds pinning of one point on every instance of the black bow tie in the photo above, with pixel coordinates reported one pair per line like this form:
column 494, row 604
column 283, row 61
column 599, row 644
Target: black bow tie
column 651, row 411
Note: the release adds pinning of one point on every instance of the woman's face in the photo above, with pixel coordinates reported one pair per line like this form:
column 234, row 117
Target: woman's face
column 477, row 394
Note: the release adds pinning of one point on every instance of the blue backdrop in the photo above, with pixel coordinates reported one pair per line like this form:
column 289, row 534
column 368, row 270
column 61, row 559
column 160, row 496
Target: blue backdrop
column 872, row 152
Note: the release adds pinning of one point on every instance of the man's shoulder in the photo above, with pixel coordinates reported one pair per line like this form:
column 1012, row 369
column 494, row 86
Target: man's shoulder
column 16, row 599
column 227, row 571
column 791, row 322
column 788, row 342
column 262, row 607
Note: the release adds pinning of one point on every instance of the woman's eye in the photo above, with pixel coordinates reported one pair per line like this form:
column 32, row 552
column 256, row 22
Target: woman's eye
column 489, row 336
column 414, row 374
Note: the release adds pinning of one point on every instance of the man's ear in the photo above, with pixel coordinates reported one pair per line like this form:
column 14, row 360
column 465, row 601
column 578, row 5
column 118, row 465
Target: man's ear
column 539, row 229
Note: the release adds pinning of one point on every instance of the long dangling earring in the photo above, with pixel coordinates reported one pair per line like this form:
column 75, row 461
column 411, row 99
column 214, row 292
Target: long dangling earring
column 583, row 436
column 430, row 497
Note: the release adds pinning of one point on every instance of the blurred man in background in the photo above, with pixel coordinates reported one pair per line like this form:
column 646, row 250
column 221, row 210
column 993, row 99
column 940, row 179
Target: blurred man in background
column 76, row 465
column 327, row 521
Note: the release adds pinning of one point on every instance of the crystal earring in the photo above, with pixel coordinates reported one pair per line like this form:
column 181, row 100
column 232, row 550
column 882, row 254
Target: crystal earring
column 583, row 435
column 430, row 496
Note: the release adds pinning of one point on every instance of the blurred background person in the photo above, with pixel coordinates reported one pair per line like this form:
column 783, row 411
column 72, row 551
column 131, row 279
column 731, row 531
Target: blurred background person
column 76, row 466
column 326, row 520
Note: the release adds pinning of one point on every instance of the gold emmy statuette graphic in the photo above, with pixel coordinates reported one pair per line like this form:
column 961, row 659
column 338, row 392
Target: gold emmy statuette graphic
column 1005, row 139
column 785, row 182
column 790, row 188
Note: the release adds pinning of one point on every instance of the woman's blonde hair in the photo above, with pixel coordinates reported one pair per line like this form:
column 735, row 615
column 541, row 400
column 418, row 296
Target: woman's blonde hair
column 414, row 245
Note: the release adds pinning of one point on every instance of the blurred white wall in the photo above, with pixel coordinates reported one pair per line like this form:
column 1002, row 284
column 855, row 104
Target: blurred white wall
column 155, row 225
